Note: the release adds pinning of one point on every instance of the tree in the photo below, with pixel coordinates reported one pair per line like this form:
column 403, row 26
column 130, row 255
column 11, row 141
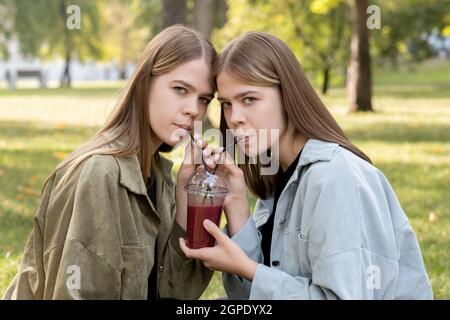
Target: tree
column 203, row 20
column 318, row 32
column 41, row 29
column 359, row 81
column 208, row 14
column 173, row 12
column 127, row 30
column 7, row 9
column 221, row 13
column 322, row 26
column 406, row 26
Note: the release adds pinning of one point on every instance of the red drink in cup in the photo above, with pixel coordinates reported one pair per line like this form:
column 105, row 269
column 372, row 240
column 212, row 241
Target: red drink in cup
column 206, row 193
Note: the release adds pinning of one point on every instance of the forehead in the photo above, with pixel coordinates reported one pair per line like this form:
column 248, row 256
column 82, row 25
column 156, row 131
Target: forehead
column 229, row 86
column 226, row 83
column 195, row 72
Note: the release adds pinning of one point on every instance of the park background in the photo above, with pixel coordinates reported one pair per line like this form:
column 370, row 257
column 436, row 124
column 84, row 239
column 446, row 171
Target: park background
column 387, row 82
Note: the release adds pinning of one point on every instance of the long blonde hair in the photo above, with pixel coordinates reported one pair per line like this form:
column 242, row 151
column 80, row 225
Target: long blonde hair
column 262, row 59
column 172, row 47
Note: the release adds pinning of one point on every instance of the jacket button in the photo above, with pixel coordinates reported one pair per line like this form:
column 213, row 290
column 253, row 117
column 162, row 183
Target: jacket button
column 161, row 268
column 275, row 263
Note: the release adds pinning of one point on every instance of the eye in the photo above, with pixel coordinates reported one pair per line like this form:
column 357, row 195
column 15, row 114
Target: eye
column 249, row 100
column 180, row 90
column 205, row 101
column 225, row 105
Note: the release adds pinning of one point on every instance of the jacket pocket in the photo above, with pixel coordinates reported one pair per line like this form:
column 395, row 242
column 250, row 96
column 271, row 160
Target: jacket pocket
column 303, row 257
column 137, row 264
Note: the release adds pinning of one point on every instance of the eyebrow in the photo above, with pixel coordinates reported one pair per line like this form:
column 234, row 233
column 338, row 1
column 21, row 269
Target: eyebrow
column 192, row 88
column 239, row 95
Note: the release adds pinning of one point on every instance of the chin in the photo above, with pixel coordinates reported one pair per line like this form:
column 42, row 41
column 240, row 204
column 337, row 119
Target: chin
column 176, row 137
column 173, row 143
column 249, row 151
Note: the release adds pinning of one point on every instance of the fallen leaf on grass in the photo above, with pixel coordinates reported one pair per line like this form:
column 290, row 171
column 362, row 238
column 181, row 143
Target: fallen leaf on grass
column 59, row 155
column 432, row 217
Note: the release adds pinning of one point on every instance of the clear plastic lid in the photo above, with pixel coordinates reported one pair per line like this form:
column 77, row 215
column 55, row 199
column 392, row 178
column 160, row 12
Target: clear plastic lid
column 206, row 183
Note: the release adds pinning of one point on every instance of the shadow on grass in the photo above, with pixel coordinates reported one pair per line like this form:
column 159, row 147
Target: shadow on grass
column 82, row 92
column 420, row 188
column 418, row 91
column 14, row 229
column 17, row 129
column 401, row 132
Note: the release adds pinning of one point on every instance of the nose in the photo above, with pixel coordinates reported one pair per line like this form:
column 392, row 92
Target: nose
column 191, row 108
column 237, row 117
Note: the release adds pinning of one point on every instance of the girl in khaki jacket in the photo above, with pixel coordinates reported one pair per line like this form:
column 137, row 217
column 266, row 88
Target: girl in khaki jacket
column 107, row 226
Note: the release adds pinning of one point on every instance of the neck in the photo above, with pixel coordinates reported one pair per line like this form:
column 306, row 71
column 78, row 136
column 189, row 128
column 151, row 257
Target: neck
column 156, row 143
column 290, row 146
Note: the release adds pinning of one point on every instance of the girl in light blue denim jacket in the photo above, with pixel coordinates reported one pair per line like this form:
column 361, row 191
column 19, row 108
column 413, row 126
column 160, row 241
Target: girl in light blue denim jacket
column 328, row 225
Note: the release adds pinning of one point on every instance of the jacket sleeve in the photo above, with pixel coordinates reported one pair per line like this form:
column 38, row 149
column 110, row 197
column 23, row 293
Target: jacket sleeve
column 340, row 267
column 83, row 275
column 85, row 264
column 182, row 278
column 249, row 239
column 28, row 284
column 88, row 264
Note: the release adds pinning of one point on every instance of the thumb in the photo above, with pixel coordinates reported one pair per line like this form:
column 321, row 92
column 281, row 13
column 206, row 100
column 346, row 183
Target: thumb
column 188, row 154
column 230, row 165
column 214, row 230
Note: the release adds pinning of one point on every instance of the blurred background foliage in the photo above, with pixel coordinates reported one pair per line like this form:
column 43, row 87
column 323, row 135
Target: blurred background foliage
column 407, row 77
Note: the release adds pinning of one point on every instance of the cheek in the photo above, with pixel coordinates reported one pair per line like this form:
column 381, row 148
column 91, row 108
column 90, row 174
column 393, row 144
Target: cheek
column 162, row 108
column 226, row 115
column 161, row 120
column 202, row 112
column 270, row 125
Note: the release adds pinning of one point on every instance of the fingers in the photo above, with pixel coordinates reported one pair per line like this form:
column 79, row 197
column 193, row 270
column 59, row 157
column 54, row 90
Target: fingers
column 229, row 166
column 209, row 266
column 188, row 155
column 200, row 254
column 199, row 142
column 184, row 247
column 212, row 151
column 212, row 156
column 192, row 153
column 199, row 152
column 214, row 230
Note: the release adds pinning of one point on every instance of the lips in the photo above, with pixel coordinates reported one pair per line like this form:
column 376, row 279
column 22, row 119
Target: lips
column 183, row 126
column 243, row 139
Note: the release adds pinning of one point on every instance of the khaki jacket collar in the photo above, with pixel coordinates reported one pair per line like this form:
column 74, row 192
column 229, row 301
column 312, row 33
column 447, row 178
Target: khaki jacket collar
column 130, row 171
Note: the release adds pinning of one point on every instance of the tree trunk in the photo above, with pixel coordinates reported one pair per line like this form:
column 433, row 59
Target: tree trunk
column 204, row 17
column 173, row 12
column 326, row 80
column 221, row 13
column 123, row 73
column 66, row 79
column 359, row 81
column 124, row 40
column 203, row 22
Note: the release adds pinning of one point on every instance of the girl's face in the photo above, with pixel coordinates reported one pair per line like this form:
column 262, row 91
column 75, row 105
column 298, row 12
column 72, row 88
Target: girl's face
column 177, row 99
column 251, row 112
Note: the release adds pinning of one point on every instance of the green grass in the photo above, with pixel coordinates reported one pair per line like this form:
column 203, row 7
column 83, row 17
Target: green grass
column 408, row 138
